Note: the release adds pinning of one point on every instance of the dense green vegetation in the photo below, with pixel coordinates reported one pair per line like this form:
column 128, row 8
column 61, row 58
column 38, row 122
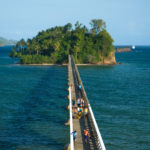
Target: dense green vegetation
column 4, row 41
column 54, row 45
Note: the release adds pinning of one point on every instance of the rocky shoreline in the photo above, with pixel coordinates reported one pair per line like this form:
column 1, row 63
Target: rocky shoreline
column 110, row 60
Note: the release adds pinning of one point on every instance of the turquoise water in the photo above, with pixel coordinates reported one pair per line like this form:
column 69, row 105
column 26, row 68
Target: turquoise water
column 120, row 97
column 32, row 103
column 32, row 106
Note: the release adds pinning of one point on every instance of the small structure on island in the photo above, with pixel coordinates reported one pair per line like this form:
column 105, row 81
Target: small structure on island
column 123, row 49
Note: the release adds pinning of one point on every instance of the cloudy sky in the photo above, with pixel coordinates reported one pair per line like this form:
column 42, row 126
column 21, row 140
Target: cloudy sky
column 127, row 21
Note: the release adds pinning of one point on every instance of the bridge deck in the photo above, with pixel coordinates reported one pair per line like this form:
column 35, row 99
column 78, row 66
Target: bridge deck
column 76, row 124
column 84, row 123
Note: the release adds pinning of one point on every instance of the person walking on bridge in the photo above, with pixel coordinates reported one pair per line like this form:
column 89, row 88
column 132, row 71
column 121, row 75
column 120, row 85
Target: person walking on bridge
column 82, row 102
column 86, row 134
column 85, row 111
column 74, row 135
column 80, row 87
column 78, row 102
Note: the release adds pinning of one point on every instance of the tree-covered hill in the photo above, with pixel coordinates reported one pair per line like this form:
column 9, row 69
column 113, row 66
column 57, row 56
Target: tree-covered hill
column 53, row 45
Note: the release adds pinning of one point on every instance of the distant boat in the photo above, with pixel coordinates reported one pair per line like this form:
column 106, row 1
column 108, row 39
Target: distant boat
column 133, row 47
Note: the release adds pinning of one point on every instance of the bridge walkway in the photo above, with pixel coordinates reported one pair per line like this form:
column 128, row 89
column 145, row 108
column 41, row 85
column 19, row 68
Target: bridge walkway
column 76, row 123
column 95, row 141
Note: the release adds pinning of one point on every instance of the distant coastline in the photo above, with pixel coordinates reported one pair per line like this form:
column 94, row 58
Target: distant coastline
column 1, row 45
column 5, row 42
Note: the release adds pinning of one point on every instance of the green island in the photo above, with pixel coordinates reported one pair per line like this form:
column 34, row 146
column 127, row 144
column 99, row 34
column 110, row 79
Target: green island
column 88, row 46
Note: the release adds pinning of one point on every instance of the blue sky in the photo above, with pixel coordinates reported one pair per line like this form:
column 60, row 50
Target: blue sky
column 127, row 20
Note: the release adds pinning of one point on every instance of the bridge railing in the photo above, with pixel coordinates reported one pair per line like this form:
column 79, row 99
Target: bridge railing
column 71, row 122
column 91, row 114
column 70, row 108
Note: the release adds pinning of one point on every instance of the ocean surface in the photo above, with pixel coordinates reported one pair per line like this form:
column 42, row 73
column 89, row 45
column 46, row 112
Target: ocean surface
column 32, row 102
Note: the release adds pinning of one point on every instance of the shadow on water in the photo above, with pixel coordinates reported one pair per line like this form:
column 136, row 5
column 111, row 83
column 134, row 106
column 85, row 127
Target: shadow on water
column 35, row 125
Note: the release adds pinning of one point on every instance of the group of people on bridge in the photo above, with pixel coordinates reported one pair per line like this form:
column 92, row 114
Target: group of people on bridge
column 79, row 111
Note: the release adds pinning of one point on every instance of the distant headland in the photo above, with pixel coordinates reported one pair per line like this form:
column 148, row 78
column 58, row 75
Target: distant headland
column 4, row 42
column 52, row 46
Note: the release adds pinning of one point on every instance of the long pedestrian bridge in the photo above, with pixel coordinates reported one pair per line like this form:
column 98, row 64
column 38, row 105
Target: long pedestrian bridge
column 94, row 141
